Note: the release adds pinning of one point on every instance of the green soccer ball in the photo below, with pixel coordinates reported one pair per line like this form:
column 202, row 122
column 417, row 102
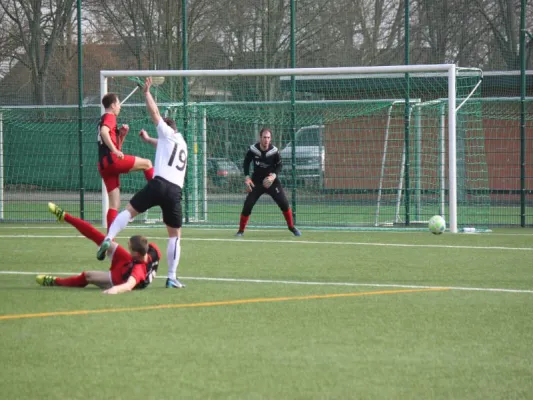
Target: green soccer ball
column 437, row 225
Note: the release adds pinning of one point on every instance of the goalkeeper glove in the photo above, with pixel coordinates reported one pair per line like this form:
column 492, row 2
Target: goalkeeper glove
column 249, row 184
column 267, row 182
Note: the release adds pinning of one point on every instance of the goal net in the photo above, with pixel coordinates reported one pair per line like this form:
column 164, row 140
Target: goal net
column 369, row 147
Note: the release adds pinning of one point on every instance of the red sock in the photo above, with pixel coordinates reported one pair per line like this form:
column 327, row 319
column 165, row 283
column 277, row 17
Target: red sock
column 111, row 215
column 73, row 281
column 149, row 174
column 288, row 217
column 243, row 222
column 85, row 228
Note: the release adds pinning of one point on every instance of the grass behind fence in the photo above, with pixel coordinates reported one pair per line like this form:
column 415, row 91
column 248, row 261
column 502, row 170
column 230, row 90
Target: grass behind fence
column 325, row 215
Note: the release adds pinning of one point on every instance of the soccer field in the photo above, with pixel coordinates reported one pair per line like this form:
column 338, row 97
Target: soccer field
column 339, row 315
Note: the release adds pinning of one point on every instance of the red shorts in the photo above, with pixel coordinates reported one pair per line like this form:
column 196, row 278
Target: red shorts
column 110, row 172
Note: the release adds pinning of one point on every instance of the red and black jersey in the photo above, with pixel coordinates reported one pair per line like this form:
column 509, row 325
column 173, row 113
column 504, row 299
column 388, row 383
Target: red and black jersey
column 265, row 162
column 152, row 264
column 154, row 256
column 109, row 120
column 136, row 269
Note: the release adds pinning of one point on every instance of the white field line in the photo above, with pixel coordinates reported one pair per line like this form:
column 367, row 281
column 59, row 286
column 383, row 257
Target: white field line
column 295, row 241
column 313, row 230
column 310, row 283
column 301, row 282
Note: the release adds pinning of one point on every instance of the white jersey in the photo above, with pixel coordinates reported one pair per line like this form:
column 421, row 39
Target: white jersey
column 170, row 155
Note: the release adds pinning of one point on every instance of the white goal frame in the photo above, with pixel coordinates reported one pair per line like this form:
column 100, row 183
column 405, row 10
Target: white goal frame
column 449, row 70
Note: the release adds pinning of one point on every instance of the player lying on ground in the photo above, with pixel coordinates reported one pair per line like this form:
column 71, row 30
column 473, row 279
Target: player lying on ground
column 133, row 269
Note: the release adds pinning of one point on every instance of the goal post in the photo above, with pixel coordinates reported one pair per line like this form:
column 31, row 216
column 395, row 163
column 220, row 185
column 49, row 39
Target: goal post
column 105, row 198
column 225, row 106
column 1, row 165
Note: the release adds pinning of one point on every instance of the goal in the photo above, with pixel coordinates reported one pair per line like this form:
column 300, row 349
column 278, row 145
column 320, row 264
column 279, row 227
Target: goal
column 362, row 146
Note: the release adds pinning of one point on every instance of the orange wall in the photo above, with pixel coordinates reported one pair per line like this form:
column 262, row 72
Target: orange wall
column 354, row 151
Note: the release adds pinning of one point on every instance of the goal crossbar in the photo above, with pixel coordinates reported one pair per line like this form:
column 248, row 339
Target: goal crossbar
column 283, row 71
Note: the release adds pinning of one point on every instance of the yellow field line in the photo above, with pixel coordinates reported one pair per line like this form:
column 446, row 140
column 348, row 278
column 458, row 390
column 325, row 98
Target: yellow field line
column 217, row 303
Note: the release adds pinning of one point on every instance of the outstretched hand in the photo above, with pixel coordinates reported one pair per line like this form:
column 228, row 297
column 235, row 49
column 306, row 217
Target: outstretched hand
column 147, row 84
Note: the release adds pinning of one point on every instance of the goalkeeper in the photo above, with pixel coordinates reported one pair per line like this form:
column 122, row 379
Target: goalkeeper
column 267, row 166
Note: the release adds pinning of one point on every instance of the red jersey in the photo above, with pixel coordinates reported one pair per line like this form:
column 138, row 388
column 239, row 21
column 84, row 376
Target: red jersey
column 123, row 266
column 109, row 120
column 152, row 264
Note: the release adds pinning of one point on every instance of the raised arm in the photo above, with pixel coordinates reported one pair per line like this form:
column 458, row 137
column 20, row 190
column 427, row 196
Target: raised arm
column 150, row 102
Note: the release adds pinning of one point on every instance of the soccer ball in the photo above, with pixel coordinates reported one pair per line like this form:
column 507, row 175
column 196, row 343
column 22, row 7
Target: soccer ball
column 437, row 225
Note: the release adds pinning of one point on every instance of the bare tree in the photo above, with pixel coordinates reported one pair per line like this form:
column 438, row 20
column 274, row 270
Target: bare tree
column 503, row 19
column 377, row 24
column 133, row 23
column 443, row 30
column 324, row 33
column 34, row 29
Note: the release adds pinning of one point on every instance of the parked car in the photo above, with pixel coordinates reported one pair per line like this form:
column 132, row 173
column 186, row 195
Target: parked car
column 224, row 172
column 309, row 156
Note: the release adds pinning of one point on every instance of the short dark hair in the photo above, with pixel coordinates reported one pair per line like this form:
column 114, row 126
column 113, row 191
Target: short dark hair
column 170, row 122
column 263, row 131
column 109, row 99
column 139, row 244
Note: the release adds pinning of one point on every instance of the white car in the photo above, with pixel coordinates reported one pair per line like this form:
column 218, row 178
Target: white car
column 309, row 156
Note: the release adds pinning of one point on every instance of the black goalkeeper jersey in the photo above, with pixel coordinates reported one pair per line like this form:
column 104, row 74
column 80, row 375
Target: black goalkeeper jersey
column 265, row 162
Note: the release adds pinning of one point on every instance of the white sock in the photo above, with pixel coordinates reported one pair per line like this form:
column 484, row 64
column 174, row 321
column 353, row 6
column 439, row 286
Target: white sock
column 120, row 222
column 173, row 256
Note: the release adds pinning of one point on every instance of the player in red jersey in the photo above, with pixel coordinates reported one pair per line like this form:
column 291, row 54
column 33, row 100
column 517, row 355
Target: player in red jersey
column 112, row 162
column 133, row 269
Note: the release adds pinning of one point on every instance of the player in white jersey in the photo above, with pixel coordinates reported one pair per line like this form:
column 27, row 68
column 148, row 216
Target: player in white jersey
column 163, row 190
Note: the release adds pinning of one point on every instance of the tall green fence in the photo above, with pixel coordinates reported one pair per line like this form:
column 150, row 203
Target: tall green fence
column 350, row 174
